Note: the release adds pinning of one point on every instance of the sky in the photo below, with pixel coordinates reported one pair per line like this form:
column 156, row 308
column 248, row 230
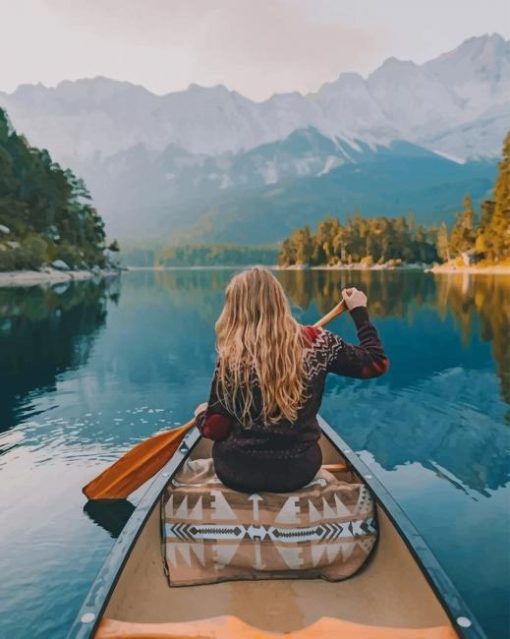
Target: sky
column 256, row 47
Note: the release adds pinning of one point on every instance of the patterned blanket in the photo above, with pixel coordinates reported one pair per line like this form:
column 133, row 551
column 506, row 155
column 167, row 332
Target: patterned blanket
column 212, row 533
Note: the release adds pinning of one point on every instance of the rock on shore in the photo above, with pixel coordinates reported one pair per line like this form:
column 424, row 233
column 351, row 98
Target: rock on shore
column 49, row 276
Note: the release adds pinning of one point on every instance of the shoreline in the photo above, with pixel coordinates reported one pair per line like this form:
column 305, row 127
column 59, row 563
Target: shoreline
column 49, row 276
column 441, row 269
column 469, row 270
column 353, row 267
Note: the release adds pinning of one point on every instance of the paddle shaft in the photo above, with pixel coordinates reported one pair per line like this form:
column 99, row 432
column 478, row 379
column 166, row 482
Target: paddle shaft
column 148, row 457
column 340, row 308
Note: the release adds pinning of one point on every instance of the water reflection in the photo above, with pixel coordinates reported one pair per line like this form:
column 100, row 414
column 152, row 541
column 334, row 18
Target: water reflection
column 434, row 405
column 111, row 514
column 478, row 303
column 481, row 303
column 44, row 332
column 391, row 294
column 433, row 428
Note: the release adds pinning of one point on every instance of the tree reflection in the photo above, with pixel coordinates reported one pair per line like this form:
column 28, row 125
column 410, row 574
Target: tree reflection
column 44, row 332
column 481, row 303
column 391, row 293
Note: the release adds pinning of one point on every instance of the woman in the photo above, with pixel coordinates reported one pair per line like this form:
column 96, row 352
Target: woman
column 269, row 380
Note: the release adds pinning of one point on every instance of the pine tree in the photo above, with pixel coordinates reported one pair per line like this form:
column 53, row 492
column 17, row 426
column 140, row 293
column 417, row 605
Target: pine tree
column 302, row 240
column 463, row 236
column 498, row 230
column 493, row 237
column 482, row 238
column 45, row 207
column 442, row 245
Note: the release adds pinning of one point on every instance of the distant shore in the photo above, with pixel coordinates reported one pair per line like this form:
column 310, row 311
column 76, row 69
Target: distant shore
column 448, row 269
column 276, row 267
column 49, row 276
column 356, row 267
column 352, row 267
column 426, row 268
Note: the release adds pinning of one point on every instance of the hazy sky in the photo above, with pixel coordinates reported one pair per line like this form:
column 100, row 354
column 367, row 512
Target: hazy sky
column 257, row 47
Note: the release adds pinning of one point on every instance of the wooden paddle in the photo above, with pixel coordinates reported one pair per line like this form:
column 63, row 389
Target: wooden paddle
column 145, row 459
column 334, row 312
column 136, row 466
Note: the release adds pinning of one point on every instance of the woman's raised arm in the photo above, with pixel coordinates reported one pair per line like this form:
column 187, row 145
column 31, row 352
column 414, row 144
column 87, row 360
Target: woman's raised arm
column 365, row 360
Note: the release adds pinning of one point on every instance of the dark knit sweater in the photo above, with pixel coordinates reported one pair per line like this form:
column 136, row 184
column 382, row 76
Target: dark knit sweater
column 285, row 456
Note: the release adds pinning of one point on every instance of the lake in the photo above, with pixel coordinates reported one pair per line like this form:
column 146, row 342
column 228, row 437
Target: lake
column 90, row 368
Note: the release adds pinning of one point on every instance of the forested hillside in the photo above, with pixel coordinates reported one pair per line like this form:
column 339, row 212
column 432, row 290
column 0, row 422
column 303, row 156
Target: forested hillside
column 482, row 237
column 45, row 210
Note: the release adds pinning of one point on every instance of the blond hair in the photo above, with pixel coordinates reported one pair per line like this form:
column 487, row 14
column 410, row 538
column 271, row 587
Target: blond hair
column 258, row 340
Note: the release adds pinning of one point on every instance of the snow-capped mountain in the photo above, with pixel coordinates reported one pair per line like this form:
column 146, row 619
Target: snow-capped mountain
column 413, row 100
column 132, row 178
column 262, row 194
column 176, row 154
column 478, row 72
column 400, row 99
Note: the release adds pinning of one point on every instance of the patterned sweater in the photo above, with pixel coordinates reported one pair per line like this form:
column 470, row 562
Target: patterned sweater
column 285, row 456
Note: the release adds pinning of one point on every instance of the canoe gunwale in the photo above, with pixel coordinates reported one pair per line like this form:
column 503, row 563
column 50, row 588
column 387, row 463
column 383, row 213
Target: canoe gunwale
column 104, row 584
column 442, row 586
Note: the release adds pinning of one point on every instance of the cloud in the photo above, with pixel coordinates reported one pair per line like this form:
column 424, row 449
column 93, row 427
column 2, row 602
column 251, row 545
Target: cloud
column 257, row 48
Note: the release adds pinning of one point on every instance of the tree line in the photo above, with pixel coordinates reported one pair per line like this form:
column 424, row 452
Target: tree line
column 45, row 210
column 359, row 240
column 487, row 236
column 382, row 240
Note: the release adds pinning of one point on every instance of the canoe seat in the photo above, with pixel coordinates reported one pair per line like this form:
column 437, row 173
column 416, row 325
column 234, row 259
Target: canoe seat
column 228, row 627
column 212, row 533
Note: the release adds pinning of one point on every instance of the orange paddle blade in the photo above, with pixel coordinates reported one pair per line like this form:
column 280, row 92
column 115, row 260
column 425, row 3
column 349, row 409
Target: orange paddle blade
column 137, row 465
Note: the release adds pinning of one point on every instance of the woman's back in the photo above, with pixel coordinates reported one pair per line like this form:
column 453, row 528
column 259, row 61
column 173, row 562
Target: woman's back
column 254, row 451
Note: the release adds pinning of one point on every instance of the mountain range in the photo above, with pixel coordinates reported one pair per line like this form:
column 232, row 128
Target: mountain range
column 209, row 164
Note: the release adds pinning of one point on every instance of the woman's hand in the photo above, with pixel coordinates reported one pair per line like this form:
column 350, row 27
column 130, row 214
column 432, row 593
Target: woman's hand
column 354, row 298
column 201, row 408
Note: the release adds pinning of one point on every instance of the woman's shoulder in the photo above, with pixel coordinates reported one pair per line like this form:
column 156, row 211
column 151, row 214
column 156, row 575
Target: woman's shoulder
column 311, row 334
column 315, row 337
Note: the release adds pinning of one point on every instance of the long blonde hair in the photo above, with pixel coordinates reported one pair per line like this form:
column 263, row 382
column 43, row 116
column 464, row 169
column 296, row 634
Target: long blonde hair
column 258, row 340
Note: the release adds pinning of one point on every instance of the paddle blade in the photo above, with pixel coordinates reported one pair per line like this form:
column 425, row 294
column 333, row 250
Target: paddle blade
column 136, row 466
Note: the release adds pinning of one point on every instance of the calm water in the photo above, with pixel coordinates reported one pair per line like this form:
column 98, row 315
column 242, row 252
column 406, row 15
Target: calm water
column 89, row 369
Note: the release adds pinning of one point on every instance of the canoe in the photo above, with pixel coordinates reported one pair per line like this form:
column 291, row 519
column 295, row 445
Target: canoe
column 402, row 593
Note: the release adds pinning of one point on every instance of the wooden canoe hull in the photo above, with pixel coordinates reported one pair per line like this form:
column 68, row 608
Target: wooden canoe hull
column 403, row 591
column 234, row 628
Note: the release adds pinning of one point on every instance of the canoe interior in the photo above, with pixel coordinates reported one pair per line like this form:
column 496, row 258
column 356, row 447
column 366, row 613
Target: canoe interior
column 391, row 591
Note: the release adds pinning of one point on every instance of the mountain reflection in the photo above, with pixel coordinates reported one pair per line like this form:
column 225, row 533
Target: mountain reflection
column 481, row 303
column 43, row 332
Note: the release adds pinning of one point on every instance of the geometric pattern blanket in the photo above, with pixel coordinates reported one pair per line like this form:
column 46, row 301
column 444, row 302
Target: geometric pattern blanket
column 211, row 533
